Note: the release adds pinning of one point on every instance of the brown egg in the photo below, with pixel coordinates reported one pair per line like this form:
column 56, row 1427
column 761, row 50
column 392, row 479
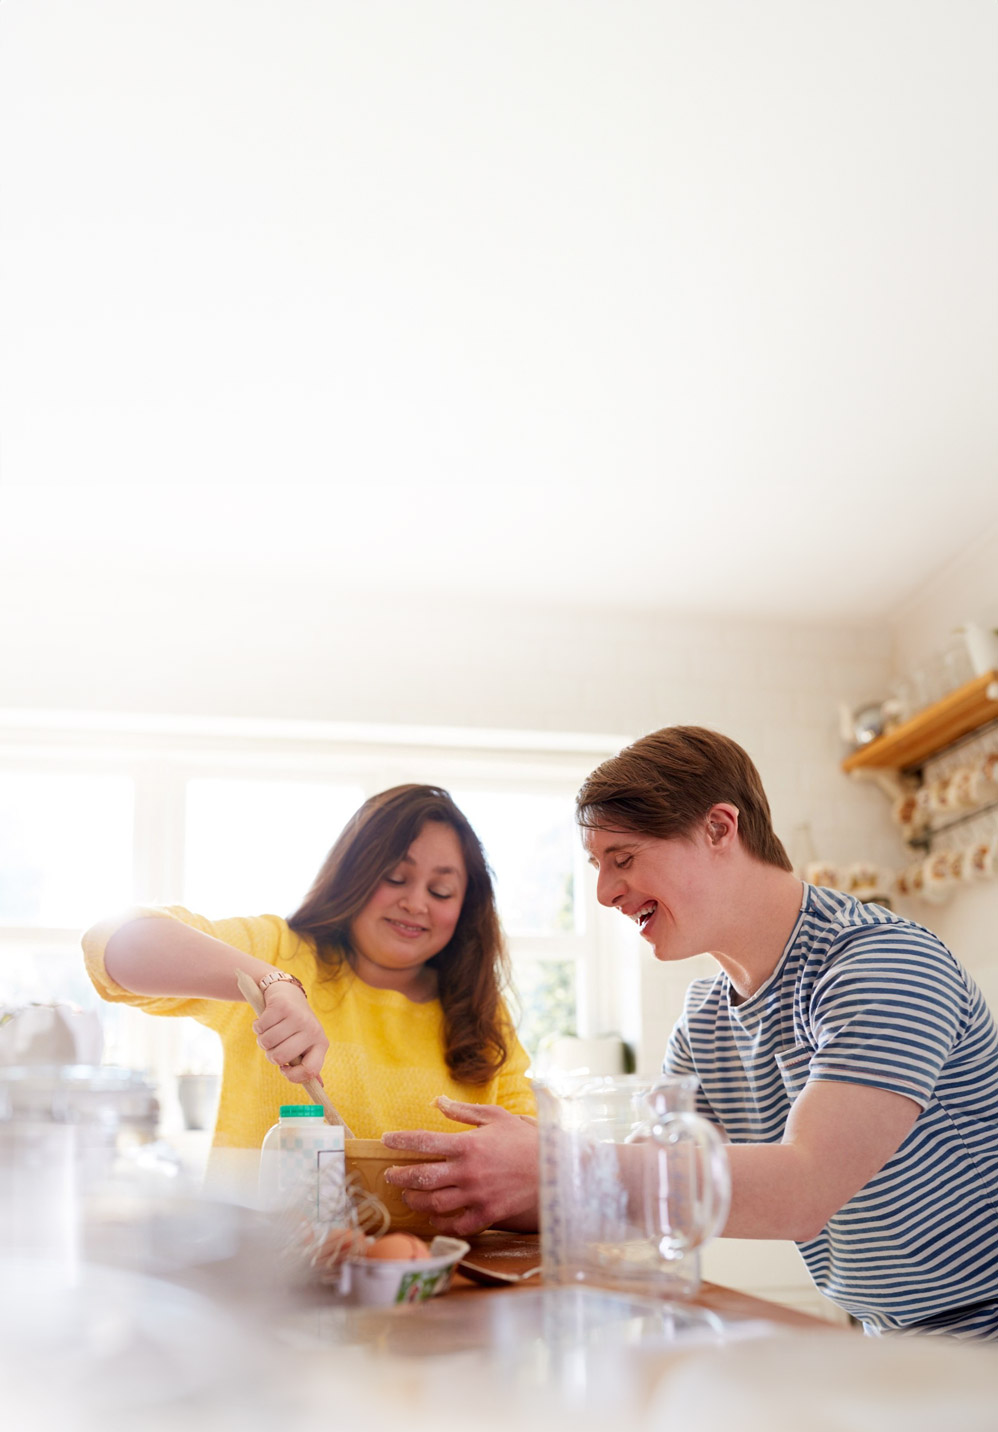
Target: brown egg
column 403, row 1246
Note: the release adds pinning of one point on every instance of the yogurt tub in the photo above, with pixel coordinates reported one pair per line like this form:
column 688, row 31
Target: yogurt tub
column 383, row 1282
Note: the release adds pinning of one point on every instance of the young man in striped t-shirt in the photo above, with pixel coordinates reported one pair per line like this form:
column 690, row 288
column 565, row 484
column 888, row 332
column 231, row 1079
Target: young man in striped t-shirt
column 847, row 1055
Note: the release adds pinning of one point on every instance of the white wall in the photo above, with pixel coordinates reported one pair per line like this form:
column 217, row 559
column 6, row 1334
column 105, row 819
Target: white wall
column 266, row 640
column 963, row 590
column 263, row 635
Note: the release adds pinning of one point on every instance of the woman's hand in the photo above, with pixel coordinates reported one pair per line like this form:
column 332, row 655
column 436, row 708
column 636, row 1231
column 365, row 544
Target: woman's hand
column 288, row 1031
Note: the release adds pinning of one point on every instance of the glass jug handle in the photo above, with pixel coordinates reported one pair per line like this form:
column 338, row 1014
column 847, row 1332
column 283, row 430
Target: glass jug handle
column 691, row 1192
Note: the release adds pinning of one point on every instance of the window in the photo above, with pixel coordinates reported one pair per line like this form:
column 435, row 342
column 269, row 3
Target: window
column 65, row 842
column 533, row 847
column 531, row 841
column 254, row 846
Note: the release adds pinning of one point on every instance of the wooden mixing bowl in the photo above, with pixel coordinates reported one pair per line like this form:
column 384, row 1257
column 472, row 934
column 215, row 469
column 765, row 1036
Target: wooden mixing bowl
column 367, row 1160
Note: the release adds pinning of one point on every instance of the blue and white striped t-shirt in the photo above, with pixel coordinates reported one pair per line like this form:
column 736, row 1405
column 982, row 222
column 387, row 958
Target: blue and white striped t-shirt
column 861, row 996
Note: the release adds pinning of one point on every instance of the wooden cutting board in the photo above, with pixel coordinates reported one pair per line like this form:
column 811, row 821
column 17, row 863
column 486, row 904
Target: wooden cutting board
column 499, row 1257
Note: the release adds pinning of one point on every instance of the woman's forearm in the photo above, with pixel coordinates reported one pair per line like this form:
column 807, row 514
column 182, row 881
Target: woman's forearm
column 164, row 957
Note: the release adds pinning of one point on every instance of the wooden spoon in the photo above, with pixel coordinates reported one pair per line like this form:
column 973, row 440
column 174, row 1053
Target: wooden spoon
column 250, row 992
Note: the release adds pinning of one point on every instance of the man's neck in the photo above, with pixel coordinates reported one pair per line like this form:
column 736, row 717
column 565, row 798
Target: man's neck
column 767, row 903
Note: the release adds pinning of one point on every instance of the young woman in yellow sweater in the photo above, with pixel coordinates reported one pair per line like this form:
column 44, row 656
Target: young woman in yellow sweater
column 385, row 983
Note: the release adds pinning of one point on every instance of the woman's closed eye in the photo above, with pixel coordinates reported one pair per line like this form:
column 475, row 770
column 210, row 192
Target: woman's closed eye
column 398, row 880
column 622, row 862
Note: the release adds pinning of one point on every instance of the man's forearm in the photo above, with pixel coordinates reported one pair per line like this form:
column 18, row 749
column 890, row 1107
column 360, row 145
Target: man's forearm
column 773, row 1194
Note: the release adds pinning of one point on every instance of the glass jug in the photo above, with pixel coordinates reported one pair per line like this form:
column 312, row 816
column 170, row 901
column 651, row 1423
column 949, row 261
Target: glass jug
column 632, row 1182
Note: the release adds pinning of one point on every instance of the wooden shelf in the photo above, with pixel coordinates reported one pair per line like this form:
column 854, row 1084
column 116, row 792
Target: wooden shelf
column 913, row 742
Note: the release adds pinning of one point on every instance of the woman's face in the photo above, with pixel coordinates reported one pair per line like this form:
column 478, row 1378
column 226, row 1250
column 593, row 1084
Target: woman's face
column 413, row 911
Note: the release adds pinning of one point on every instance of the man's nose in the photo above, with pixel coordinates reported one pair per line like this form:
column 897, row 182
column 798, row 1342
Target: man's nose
column 609, row 886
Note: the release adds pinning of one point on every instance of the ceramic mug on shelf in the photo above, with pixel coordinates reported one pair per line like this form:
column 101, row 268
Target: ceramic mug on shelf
column 989, row 775
column 822, row 872
column 910, row 882
column 909, row 814
column 937, row 876
column 924, row 798
column 914, row 880
column 942, row 796
column 966, row 788
column 975, row 785
column 863, row 878
column 959, row 865
column 982, row 859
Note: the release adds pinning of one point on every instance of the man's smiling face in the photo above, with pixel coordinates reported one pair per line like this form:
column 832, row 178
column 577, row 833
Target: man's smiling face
column 667, row 887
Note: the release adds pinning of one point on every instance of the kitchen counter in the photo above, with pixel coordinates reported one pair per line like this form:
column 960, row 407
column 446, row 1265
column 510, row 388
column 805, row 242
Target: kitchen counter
column 572, row 1349
column 528, row 1355
column 217, row 1341
column 472, row 1317
column 536, row 1358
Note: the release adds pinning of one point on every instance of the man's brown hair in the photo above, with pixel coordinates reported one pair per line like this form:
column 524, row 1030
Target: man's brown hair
column 664, row 784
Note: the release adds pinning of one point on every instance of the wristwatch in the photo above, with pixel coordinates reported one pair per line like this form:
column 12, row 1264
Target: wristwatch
column 276, row 975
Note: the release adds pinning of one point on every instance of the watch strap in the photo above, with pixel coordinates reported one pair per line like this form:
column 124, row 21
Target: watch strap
column 282, row 975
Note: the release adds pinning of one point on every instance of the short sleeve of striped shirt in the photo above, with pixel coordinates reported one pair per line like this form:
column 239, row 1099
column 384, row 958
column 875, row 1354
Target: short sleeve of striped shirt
column 679, row 1060
column 886, row 1010
column 678, row 1055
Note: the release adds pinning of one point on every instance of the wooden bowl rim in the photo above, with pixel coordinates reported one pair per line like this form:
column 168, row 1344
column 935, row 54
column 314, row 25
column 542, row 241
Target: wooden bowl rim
column 374, row 1151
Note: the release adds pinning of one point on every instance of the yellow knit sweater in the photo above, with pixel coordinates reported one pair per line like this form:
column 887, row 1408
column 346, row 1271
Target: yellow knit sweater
column 385, row 1064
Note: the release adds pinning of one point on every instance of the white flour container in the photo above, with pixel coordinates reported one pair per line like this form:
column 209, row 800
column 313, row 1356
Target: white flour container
column 302, row 1165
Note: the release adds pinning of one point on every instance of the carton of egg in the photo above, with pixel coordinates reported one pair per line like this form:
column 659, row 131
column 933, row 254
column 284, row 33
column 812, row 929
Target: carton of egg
column 398, row 1268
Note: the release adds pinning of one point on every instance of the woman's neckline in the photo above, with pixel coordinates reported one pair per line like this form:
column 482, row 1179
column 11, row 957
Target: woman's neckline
column 382, row 990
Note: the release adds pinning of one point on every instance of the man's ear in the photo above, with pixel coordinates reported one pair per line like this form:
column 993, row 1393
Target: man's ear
column 722, row 823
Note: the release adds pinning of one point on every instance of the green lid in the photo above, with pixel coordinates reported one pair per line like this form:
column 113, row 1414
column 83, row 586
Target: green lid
column 301, row 1111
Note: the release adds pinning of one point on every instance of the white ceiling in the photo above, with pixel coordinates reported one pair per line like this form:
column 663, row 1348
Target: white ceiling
column 649, row 303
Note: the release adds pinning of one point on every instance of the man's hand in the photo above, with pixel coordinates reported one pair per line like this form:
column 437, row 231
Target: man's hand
column 488, row 1174
column 286, row 1030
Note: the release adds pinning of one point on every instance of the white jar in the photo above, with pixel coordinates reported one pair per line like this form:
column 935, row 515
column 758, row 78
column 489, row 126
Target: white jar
column 302, row 1166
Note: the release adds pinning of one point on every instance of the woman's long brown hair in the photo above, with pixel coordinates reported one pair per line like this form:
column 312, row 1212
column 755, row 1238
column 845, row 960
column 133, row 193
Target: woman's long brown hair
column 471, row 968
